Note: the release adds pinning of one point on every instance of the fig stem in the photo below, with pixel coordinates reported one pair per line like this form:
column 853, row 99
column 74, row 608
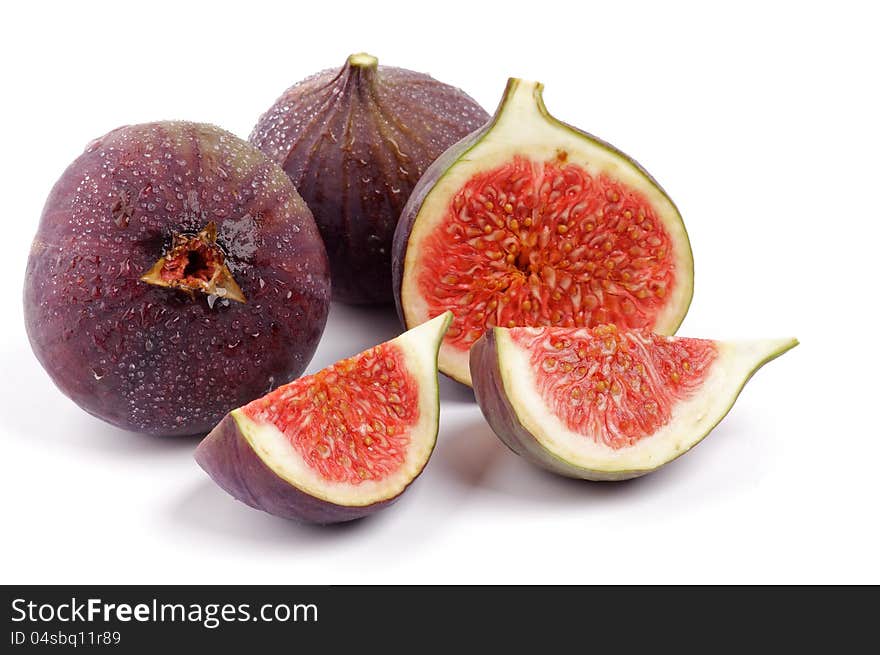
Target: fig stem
column 363, row 60
column 523, row 98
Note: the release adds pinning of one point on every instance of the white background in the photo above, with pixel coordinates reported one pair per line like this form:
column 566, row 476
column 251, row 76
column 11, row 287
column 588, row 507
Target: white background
column 760, row 121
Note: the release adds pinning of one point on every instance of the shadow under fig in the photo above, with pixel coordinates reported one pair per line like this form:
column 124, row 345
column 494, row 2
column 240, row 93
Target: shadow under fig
column 526, row 481
column 467, row 453
column 208, row 509
column 455, row 392
column 36, row 411
column 472, row 455
column 97, row 435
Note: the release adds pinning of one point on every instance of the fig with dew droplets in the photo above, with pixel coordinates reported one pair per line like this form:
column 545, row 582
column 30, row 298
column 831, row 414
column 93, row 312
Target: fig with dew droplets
column 355, row 141
column 175, row 274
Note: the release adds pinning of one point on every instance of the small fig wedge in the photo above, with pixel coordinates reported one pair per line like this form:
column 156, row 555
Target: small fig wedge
column 337, row 445
column 606, row 404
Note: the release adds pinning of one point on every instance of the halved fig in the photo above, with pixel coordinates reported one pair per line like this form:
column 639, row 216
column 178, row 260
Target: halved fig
column 339, row 444
column 606, row 404
column 530, row 221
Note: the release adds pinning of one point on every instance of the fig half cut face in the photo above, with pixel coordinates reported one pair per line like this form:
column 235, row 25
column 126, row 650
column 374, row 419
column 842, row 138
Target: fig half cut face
column 531, row 222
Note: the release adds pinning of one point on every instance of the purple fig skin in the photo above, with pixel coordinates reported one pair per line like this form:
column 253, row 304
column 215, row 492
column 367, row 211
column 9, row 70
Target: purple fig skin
column 355, row 141
column 158, row 360
column 501, row 416
column 228, row 458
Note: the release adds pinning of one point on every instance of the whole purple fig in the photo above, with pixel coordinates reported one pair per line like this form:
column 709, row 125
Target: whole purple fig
column 355, row 141
column 175, row 274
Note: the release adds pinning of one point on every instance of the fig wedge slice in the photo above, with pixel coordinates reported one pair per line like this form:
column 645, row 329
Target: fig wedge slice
column 339, row 444
column 607, row 404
